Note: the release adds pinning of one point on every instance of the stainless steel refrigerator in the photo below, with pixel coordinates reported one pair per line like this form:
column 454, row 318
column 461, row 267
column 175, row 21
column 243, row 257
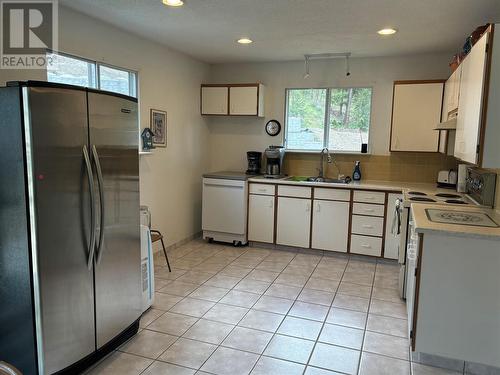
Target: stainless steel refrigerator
column 70, row 279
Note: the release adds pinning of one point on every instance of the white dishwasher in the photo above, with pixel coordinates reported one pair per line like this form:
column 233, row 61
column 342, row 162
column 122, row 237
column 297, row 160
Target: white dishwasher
column 224, row 216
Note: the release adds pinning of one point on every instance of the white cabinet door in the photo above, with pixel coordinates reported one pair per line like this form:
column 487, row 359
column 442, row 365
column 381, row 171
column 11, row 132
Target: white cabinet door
column 243, row 100
column 330, row 228
column 261, row 218
column 294, row 220
column 449, row 88
column 391, row 248
column 471, row 102
column 453, row 99
column 416, row 112
column 214, row 100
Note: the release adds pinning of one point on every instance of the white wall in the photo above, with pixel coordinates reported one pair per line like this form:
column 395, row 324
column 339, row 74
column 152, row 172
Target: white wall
column 171, row 177
column 231, row 137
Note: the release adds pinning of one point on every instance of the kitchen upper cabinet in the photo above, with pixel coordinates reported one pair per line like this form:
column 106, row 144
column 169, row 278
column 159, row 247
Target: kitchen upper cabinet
column 246, row 100
column 233, row 99
column 261, row 218
column 214, row 100
column 293, row 222
column 449, row 114
column 470, row 106
column 330, row 228
column 416, row 111
column 451, row 93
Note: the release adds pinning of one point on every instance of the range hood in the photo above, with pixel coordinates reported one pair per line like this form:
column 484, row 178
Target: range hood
column 449, row 124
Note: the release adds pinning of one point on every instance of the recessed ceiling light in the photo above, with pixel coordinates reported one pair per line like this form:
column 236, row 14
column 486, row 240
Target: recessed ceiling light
column 387, row 31
column 245, row 41
column 173, row 3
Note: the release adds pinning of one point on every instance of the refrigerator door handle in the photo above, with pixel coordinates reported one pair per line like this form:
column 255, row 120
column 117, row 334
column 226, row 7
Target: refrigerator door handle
column 100, row 182
column 92, row 206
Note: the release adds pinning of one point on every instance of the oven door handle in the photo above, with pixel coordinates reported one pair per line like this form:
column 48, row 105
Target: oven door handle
column 396, row 219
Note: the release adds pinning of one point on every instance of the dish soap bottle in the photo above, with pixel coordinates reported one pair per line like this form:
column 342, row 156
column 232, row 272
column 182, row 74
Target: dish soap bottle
column 356, row 174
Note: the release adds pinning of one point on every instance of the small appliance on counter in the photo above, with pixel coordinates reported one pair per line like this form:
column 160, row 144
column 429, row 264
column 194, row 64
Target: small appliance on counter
column 274, row 161
column 254, row 162
column 447, row 179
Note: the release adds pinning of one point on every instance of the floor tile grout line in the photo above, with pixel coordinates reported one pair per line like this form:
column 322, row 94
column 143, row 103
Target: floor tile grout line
column 263, row 293
column 199, row 318
column 326, row 317
column 242, row 319
column 274, row 283
column 366, row 323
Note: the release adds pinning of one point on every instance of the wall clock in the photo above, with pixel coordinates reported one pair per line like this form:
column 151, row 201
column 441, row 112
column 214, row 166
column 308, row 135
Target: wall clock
column 273, row 127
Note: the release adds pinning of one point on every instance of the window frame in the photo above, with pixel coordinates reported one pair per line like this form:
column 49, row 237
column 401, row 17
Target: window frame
column 133, row 75
column 326, row 123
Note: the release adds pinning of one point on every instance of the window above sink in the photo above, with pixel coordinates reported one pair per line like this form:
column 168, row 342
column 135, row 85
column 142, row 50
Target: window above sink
column 336, row 118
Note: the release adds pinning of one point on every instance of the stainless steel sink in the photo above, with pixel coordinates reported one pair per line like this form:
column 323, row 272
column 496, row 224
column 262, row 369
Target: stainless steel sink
column 318, row 179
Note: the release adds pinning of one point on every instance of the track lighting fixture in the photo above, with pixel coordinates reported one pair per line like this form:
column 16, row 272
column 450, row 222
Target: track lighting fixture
column 326, row 56
column 306, row 68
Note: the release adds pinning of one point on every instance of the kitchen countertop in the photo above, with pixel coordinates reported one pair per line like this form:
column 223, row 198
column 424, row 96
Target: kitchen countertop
column 424, row 225
column 396, row 186
column 228, row 175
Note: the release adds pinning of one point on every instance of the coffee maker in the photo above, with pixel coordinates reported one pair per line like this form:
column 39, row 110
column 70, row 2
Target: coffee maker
column 254, row 158
column 274, row 161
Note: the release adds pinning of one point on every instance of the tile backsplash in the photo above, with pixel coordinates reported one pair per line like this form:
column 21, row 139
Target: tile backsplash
column 407, row 167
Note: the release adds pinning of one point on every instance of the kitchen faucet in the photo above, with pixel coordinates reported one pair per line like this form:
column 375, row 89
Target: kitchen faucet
column 321, row 162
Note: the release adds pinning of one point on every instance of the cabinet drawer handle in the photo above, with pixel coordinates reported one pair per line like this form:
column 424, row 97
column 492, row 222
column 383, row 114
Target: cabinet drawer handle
column 366, row 246
column 262, row 190
column 369, row 209
column 367, row 226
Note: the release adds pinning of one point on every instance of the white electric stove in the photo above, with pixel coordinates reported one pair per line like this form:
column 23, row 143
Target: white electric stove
column 480, row 186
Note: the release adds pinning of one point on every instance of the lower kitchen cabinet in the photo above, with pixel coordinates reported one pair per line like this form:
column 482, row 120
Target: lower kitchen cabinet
column 261, row 218
column 293, row 222
column 366, row 245
column 330, row 227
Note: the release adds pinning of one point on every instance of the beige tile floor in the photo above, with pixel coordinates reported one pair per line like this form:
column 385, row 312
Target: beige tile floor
column 230, row 311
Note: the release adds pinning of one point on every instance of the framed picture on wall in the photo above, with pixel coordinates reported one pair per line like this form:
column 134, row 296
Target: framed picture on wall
column 159, row 127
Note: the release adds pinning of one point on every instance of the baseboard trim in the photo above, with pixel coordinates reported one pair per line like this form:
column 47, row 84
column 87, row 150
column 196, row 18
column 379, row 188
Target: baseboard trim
column 179, row 243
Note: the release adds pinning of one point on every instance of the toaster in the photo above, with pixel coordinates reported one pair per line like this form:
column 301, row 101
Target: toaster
column 447, row 178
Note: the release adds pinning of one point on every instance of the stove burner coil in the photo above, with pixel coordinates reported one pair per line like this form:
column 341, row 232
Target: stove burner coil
column 416, row 193
column 422, row 199
column 448, row 195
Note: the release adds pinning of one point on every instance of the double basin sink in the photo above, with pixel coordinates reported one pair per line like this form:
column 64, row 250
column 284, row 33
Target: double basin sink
column 319, row 179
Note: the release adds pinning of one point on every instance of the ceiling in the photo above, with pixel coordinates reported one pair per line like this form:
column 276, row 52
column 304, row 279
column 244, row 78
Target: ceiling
column 287, row 29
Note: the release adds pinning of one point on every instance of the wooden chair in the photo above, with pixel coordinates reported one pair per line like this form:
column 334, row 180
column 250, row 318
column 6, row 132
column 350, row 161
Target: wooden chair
column 157, row 236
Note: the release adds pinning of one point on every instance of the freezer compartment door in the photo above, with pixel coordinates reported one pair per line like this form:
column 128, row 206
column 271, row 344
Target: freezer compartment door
column 114, row 143
column 59, row 133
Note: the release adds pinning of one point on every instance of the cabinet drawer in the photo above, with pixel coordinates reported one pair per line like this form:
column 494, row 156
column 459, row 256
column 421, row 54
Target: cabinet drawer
column 368, row 209
column 263, row 189
column 332, row 194
column 369, row 196
column 369, row 225
column 294, row 191
column 366, row 245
